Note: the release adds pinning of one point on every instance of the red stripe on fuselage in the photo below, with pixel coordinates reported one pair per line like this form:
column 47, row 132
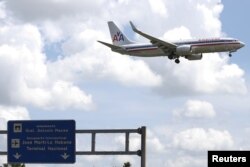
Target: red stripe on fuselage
column 214, row 44
column 198, row 44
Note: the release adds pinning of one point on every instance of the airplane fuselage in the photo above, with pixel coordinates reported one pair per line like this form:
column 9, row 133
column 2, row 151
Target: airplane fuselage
column 196, row 47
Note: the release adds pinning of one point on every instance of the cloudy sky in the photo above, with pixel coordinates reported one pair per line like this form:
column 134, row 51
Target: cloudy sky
column 53, row 68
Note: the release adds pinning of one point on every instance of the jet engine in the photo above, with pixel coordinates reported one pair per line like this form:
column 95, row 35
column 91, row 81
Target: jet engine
column 184, row 50
column 194, row 56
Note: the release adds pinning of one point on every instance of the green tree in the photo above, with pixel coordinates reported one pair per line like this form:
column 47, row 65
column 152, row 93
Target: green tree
column 127, row 164
column 13, row 165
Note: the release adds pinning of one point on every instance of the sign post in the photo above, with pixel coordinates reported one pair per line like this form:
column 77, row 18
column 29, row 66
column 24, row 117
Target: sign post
column 41, row 141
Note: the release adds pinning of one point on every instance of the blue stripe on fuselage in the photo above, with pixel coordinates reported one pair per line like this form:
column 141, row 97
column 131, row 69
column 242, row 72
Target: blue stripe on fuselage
column 141, row 47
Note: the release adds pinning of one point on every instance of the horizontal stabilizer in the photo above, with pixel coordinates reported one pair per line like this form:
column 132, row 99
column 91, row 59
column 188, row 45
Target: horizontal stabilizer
column 113, row 47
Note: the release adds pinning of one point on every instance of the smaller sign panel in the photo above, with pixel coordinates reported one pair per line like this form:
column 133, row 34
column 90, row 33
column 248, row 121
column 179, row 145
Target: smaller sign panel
column 41, row 141
column 228, row 158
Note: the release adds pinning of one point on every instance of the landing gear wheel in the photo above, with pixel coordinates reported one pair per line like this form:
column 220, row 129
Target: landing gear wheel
column 177, row 61
column 230, row 55
column 170, row 57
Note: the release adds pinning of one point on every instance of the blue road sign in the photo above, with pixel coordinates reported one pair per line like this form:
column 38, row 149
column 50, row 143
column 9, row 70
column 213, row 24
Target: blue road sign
column 50, row 141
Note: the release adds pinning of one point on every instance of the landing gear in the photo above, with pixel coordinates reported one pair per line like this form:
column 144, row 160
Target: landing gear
column 230, row 55
column 174, row 57
column 171, row 57
column 177, row 61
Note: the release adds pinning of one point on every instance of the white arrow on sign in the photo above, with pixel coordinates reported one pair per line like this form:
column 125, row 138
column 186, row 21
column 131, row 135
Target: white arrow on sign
column 17, row 156
column 65, row 156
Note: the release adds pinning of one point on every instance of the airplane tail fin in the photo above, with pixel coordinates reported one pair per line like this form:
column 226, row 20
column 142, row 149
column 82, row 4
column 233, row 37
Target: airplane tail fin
column 118, row 38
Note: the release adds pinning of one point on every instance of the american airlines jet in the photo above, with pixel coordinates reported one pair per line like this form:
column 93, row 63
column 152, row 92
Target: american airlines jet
column 191, row 49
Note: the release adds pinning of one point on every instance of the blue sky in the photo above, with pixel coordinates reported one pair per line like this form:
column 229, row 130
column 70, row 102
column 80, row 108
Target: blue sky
column 53, row 68
column 232, row 17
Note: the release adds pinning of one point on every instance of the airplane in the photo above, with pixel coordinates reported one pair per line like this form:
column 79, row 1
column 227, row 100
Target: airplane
column 189, row 49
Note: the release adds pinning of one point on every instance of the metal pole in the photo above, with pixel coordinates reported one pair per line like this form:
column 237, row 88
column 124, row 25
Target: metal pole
column 107, row 131
column 3, row 152
column 143, row 146
column 127, row 142
column 93, row 142
column 3, row 131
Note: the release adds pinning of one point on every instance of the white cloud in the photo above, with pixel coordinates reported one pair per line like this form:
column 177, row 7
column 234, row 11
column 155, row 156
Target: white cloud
column 154, row 144
column 53, row 9
column 198, row 139
column 158, row 7
column 12, row 113
column 211, row 75
column 26, row 80
column 132, row 72
column 95, row 61
column 51, row 31
column 177, row 34
column 185, row 161
column 63, row 95
column 196, row 109
column 84, row 57
column 72, row 95
column 211, row 15
column 30, row 79
column 3, row 13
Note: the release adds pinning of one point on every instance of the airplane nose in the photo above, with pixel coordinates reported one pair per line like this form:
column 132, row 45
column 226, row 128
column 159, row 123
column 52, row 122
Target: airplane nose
column 242, row 44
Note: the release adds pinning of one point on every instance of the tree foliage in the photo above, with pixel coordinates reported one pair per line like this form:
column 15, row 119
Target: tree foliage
column 13, row 165
column 127, row 164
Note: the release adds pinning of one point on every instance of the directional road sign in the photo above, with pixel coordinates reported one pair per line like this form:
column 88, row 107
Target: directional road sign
column 45, row 141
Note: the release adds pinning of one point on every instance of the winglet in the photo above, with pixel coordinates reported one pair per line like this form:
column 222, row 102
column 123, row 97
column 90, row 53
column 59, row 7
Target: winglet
column 133, row 26
column 136, row 30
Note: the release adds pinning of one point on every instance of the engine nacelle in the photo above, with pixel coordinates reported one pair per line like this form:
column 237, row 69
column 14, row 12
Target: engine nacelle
column 194, row 56
column 184, row 50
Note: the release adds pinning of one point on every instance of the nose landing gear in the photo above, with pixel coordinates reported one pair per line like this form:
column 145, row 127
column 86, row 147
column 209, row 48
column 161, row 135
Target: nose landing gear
column 177, row 61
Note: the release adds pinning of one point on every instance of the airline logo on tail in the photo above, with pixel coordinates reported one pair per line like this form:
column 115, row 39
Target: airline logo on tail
column 118, row 37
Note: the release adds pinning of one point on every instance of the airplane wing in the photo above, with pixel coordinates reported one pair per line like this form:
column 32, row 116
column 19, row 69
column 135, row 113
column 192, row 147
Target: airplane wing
column 166, row 46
